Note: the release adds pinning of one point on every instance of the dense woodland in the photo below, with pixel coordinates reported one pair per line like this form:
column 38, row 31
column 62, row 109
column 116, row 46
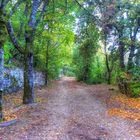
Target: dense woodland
column 96, row 41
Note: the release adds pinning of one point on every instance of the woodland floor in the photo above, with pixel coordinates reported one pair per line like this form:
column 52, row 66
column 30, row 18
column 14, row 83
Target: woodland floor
column 68, row 110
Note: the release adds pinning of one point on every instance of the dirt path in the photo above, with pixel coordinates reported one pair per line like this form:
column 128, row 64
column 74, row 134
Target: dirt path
column 73, row 111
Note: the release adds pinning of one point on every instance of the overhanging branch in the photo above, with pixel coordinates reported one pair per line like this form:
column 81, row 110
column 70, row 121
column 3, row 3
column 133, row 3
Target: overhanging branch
column 42, row 12
column 13, row 37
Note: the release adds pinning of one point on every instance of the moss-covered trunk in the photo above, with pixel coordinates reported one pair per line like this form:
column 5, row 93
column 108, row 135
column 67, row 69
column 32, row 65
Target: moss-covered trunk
column 30, row 30
column 28, row 96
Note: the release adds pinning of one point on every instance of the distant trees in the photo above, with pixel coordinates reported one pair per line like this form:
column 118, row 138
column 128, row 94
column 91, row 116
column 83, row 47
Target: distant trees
column 118, row 22
column 125, row 25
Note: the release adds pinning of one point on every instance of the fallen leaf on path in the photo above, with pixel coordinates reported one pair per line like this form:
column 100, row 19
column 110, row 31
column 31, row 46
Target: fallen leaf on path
column 128, row 102
column 124, row 114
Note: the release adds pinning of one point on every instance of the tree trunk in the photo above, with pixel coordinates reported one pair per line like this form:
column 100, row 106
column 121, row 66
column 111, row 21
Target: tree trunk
column 137, row 61
column 121, row 52
column 86, row 72
column 28, row 96
column 1, row 80
column 107, row 60
column 47, row 63
column 109, row 78
column 108, row 69
column 2, row 41
column 131, row 55
column 132, row 50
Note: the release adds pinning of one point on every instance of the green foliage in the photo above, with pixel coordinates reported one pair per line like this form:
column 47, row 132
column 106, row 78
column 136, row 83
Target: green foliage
column 97, row 70
column 88, row 65
column 131, row 82
column 7, row 47
column 53, row 46
column 135, row 81
column 135, row 89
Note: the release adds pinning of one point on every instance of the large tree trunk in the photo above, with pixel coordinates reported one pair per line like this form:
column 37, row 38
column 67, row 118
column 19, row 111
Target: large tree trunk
column 1, row 80
column 28, row 96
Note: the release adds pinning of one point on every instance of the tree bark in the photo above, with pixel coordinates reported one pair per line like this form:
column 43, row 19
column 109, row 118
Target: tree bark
column 2, row 41
column 1, row 80
column 28, row 96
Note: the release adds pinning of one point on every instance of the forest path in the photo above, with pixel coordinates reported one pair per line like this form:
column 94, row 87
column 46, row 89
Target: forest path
column 73, row 111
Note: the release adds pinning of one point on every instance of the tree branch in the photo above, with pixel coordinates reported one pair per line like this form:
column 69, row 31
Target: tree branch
column 13, row 37
column 35, row 6
column 46, row 2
